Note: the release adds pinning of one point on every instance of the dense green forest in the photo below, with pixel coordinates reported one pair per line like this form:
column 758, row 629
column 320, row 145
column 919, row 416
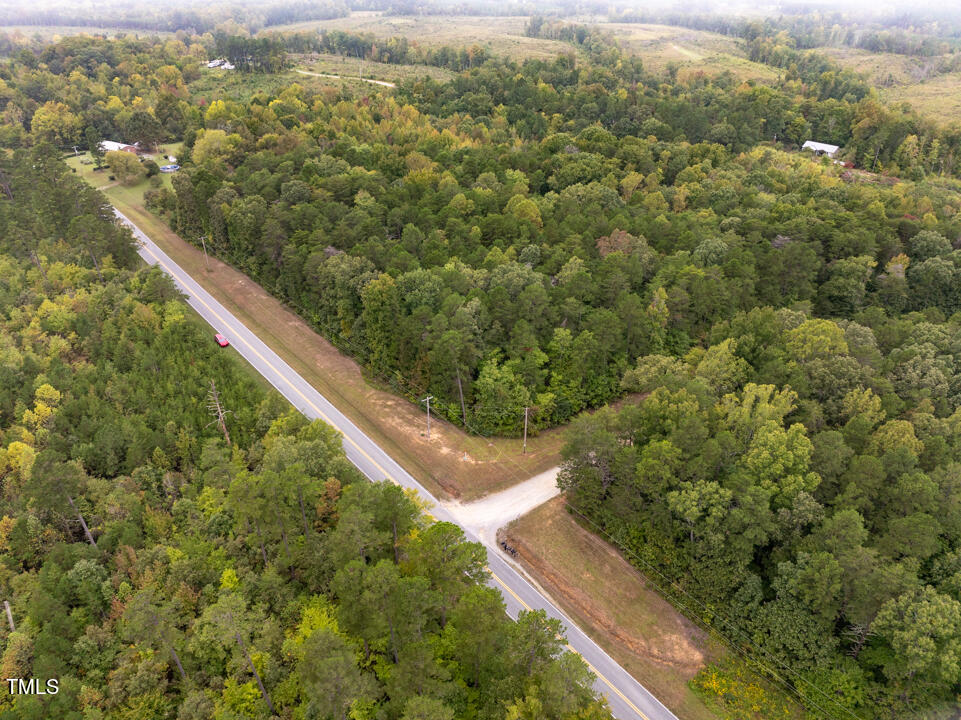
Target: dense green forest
column 802, row 477
column 161, row 565
column 518, row 236
column 558, row 234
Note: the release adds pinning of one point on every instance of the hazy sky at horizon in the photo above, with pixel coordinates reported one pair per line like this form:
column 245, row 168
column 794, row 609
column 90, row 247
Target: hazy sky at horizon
column 875, row 8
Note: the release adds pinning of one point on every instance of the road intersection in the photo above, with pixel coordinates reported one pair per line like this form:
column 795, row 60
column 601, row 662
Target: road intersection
column 628, row 699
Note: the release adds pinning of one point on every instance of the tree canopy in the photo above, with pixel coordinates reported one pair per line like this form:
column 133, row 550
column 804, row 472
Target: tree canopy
column 158, row 570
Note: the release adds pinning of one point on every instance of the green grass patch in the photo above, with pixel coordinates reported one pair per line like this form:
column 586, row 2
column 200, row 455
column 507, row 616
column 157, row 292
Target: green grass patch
column 348, row 67
column 917, row 81
column 641, row 630
column 216, row 84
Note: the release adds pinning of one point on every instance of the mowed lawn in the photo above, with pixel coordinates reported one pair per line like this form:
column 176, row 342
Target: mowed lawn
column 615, row 604
column 451, row 464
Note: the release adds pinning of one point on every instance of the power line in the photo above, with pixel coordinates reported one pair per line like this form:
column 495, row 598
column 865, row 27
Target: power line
column 427, row 400
column 398, row 380
column 735, row 644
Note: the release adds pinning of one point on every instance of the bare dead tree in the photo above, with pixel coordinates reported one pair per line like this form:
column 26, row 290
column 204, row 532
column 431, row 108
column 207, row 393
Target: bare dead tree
column 163, row 635
column 216, row 408
column 83, row 523
column 96, row 263
column 303, row 512
column 36, row 261
column 260, row 536
column 859, row 635
column 6, row 606
column 5, row 185
column 283, row 530
column 243, row 649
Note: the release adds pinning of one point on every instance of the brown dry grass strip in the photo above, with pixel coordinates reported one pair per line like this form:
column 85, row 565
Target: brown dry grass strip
column 614, row 604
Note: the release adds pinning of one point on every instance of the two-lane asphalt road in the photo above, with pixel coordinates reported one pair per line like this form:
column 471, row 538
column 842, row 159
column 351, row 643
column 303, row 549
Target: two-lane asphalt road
column 628, row 699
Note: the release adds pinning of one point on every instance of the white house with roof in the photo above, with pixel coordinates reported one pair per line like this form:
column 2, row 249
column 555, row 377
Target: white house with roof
column 821, row 148
column 110, row 145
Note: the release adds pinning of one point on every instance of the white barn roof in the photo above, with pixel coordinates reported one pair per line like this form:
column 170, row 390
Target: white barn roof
column 817, row 147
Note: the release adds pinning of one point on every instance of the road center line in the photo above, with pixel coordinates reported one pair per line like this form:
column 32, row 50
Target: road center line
column 323, row 416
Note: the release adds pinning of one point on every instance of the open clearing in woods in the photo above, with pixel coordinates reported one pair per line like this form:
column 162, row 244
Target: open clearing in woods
column 689, row 50
column 919, row 81
column 502, row 35
column 657, row 45
column 350, row 68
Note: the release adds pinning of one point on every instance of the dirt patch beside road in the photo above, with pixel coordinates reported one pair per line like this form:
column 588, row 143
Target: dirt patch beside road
column 614, row 604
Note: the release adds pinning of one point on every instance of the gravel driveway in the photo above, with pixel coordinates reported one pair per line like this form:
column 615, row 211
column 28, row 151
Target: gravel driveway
column 488, row 514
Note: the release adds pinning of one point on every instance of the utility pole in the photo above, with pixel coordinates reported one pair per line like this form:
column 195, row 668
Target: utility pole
column 427, row 400
column 460, row 391
column 203, row 241
column 525, row 429
column 217, row 410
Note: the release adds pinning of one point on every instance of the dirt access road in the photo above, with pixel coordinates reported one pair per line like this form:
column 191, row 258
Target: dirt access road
column 484, row 517
column 628, row 699
column 384, row 83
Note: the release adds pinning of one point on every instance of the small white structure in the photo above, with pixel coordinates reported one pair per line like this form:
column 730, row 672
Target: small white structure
column 821, row 148
column 110, row 145
column 226, row 66
column 215, row 63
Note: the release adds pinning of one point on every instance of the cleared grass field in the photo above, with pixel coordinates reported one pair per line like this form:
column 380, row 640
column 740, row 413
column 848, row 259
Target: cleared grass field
column 938, row 98
column 214, row 84
column 501, row 35
column 691, row 50
column 354, row 68
column 900, row 78
column 657, row 45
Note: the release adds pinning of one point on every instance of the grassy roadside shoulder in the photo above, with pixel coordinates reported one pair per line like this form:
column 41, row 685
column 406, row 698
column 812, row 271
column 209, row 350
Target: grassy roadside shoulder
column 613, row 603
column 688, row 669
column 641, row 631
column 452, row 464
